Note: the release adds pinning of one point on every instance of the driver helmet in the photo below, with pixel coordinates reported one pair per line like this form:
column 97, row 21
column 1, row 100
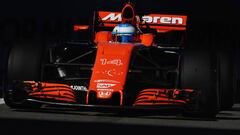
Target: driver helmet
column 124, row 32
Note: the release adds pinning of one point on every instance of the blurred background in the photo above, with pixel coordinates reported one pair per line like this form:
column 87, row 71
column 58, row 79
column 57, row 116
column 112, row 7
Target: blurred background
column 210, row 23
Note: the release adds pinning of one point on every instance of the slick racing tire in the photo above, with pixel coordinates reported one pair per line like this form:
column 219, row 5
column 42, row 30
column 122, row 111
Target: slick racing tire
column 226, row 80
column 199, row 71
column 24, row 63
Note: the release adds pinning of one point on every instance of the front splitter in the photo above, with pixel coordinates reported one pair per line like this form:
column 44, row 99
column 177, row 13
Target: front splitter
column 142, row 110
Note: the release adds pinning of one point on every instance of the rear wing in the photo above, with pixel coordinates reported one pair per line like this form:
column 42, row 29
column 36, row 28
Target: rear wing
column 161, row 22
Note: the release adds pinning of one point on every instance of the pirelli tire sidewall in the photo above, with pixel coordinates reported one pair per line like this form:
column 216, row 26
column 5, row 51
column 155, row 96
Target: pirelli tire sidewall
column 24, row 63
column 200, row 71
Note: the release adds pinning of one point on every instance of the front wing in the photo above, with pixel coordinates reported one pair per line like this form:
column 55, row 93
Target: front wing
column 63, row 96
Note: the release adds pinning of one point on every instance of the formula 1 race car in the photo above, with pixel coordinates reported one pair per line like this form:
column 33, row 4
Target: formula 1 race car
column 128, row 61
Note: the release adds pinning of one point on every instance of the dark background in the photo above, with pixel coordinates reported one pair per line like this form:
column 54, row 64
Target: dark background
column 210, row 23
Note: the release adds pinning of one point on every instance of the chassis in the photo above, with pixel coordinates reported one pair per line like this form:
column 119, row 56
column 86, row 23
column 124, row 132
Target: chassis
column 166, row 73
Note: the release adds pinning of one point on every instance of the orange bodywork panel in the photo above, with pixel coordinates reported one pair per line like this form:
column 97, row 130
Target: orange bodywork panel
column 51, row 91
column 80, row 27
column 147, row 39
column 103, row 36
column 110, row 69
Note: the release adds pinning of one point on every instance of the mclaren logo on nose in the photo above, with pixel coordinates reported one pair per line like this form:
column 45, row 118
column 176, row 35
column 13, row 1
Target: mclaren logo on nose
column 154, row 19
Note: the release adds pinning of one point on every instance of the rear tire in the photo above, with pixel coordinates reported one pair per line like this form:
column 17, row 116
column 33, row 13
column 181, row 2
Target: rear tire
column 199, row 71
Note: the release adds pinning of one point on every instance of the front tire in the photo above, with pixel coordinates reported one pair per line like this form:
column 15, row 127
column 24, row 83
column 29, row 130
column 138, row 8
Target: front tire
column 226, row 80
column 24, row 63
column 199, row 71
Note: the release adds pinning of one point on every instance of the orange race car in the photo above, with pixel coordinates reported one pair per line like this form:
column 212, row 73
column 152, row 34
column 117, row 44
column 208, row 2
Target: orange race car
column 127, row 61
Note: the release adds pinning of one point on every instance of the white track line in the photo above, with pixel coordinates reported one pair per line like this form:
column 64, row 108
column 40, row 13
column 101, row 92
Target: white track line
column 1, row 101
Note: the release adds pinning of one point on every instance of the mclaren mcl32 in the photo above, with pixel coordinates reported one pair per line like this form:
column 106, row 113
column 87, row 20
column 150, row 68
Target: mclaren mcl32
column 129, row 61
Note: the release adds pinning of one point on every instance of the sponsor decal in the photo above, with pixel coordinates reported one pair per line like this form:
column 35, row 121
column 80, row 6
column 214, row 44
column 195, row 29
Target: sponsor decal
column 105, row 93
column 152, row 18
column 79, row 88
column 162, row 20
column 105, row 85
column 110, row 72
column 104, row 89
column 113, row 17
column 116, row 62
column 106, row 81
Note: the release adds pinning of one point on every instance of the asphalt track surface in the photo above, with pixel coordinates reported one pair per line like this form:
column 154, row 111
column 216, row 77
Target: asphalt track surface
column 78, row 122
